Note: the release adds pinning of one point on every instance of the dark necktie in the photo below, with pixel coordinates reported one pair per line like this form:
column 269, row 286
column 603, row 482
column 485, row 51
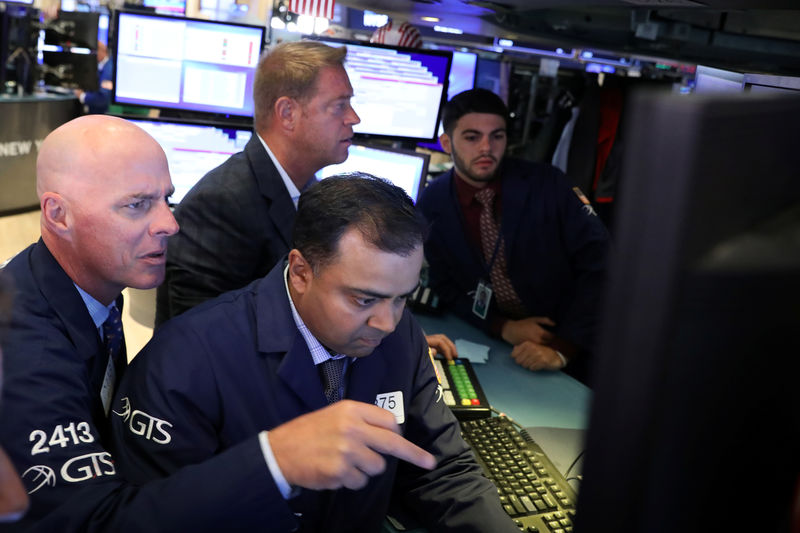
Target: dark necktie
column 507, row 299
column 331, row 372
column 115, row 342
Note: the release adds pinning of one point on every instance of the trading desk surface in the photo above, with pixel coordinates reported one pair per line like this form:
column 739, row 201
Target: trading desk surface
column 543, row 398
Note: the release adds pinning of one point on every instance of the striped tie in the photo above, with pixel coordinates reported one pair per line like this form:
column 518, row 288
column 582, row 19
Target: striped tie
column 508, row 301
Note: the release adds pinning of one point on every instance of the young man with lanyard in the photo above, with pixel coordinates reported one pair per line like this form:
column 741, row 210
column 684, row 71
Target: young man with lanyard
column 513, row 247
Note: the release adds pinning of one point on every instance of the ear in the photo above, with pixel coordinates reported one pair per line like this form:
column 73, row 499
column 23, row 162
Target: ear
column 285, row 110
column 444, row 140
column 300, row 272
column 55, row 214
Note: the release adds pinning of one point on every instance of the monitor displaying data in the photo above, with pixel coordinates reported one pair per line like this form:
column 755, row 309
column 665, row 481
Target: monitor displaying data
column 462, row 78
column 405, row 168
column 193, row 149
column 168, row 7
column 185, row 64
column 462, row 73
column 398, row 92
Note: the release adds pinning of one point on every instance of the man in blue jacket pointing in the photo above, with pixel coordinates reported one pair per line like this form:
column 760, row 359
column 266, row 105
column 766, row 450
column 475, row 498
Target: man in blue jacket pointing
column 321, row 363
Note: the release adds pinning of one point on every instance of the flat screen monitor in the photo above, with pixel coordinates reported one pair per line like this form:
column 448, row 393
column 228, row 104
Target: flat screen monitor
column 405, row 168
column 167, row 7
column 73, row 29
column 462, row 78
column 398, row 92
column 695, row 381
column 462, row 73
column 185, row 64
column 193, row 149
column 75, row 71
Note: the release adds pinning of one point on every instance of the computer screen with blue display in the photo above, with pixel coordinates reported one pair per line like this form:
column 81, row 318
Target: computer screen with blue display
column 398, row 92
column 185, row 64
column 462, row 78
column 405, row 168
column 193, row 149
column 462, row 73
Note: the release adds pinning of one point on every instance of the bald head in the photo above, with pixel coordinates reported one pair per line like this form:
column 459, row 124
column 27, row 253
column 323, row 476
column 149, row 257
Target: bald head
column 81, row 152
column 103, row 185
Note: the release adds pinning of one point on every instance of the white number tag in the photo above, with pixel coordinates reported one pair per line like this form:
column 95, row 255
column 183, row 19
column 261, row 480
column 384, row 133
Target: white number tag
column 392, row 402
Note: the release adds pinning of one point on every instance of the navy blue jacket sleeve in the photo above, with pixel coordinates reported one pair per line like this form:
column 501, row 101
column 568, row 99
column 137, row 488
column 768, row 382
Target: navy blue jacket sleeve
column 585, row 242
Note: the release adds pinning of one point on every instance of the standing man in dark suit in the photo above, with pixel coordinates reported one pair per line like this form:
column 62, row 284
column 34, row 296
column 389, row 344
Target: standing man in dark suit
column 236, row 222
column 97, row 102
column 103, row 185
column 515, row 235
column 322, row 364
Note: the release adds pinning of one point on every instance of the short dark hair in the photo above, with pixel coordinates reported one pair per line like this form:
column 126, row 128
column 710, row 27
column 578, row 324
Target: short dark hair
column 472, row 101
column 382, row 212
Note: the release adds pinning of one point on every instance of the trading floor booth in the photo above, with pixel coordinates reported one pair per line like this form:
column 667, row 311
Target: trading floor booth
column 26, row 121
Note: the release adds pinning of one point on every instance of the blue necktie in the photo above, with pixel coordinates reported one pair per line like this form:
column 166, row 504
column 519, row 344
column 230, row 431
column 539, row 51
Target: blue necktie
column 115, row 341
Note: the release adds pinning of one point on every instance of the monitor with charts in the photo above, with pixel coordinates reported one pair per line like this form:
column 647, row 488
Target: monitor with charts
column 193, row 149
column 398, row 92
column 185, row 64
column 405, row 168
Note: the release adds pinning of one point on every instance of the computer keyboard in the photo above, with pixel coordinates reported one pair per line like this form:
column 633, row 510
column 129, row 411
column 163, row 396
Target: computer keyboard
column 532, row 490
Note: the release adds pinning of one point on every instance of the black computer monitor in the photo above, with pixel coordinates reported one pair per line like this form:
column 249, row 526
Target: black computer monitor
column 185, row 64
column 405, row 168
column 75, row 71
column 193, row 149
column 73, row 29
column 398, row 92
column 695, row 419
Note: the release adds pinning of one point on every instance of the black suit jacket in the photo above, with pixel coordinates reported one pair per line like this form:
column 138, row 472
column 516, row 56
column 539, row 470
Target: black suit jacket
column 236, row 224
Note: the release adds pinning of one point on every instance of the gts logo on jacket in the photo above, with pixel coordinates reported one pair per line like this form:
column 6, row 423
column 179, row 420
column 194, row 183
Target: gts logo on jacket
column 144, row 425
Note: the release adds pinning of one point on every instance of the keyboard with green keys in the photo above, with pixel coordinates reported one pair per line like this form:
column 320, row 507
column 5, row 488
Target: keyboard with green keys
column 461, row 390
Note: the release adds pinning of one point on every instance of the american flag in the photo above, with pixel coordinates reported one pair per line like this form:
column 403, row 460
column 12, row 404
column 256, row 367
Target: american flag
column 314, row 8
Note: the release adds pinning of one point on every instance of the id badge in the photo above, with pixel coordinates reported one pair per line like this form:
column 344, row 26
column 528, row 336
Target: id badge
column 483, row 297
